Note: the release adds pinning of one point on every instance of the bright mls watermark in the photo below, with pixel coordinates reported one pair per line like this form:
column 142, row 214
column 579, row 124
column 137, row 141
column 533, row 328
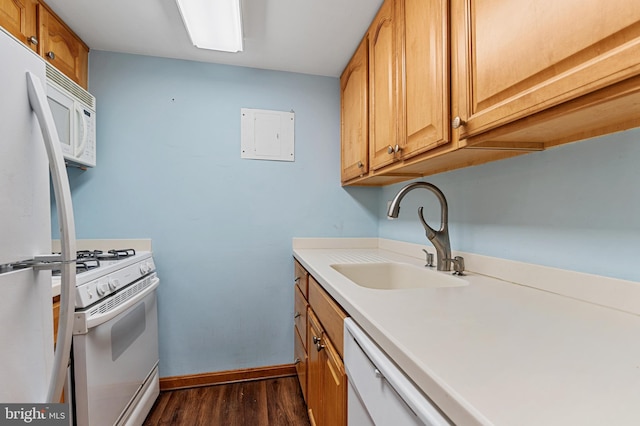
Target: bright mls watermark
column 34, row 414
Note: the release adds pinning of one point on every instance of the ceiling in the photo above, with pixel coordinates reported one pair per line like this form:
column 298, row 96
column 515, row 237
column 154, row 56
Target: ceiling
column 305, row 36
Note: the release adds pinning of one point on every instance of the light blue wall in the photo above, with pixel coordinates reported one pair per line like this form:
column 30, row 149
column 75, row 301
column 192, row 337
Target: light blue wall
column 573, row 207
column 169, row 169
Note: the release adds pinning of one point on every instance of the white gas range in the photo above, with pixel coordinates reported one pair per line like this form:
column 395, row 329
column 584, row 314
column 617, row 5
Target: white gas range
column 114, row 371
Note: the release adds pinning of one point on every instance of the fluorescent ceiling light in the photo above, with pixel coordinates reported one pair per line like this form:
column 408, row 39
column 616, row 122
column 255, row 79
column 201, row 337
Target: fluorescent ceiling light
column 213, row 24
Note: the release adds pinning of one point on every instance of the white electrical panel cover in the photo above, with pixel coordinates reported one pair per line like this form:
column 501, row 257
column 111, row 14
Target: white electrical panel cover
column 267, row 135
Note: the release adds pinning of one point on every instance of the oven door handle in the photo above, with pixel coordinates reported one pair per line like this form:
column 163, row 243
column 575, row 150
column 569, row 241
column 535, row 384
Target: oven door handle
column 83, row 322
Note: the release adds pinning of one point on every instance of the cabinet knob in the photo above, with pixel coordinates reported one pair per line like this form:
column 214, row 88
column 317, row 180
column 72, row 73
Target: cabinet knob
column 319, row 346
column 457, row 122
column 296, row 280
column 394, row 149
column 297, row 315
column 33, row 40
column 297, row 361
column 360, row 165
column 51, row 55
column 316, row 340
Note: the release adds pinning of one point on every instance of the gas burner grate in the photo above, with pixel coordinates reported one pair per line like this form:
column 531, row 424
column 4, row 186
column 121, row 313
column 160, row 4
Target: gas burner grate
column 87, row 254
column 115, row 254
column 122, row 253
column 82, row 265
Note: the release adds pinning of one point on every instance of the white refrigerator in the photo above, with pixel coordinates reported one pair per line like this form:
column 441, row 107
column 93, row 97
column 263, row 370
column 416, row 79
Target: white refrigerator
column 31, row 158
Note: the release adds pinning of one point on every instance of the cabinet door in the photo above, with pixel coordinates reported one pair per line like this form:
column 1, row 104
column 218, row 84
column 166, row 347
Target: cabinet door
column 354, row 110
column 512, row 59
column 300, row 314
column 62, row 48
column 382, row 88
column 423, row 46
column 334, row 386
column 314, row 371
column 300, row 354
column 19, row 18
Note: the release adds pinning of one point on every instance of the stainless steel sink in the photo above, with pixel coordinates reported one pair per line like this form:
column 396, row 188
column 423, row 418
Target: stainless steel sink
column 396, row 276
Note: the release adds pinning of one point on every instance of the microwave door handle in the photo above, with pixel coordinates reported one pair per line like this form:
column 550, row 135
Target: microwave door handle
column 79, row 150
column 62, row 192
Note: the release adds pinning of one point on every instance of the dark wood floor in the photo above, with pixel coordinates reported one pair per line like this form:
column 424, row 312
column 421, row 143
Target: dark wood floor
column 272, row 402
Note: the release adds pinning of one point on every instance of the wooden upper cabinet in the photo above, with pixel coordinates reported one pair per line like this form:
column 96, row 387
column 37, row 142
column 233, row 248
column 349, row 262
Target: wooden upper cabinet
column 383, row 136
column 456, row 83
column 423, row 68
column 19, row 18
column 513, row 59
column 354, row 110
column 62, row 48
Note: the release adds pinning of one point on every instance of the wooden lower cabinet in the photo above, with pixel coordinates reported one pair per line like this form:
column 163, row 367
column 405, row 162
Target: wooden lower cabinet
column 334, row 386
column 327, row 380
column 301, row 361
column 319, row 363
column 300, row 333
column 314, row 375
column 301, row 278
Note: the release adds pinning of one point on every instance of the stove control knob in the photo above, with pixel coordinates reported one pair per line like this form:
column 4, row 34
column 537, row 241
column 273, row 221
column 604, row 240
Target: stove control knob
column 101, row 289
column 149, row 266
column 143, row 269
column 114, row 284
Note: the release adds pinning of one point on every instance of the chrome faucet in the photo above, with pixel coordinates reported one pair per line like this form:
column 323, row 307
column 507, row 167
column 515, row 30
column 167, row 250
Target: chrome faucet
column 439, row 238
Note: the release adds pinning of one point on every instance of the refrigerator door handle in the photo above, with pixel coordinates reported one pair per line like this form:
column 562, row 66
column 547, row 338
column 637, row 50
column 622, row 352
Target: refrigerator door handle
column 62, row 192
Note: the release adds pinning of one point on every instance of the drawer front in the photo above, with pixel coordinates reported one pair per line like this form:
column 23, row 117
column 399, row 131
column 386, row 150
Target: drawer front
column 301, row 364
column 329, row 313
column 301, row 278
column 300, row 315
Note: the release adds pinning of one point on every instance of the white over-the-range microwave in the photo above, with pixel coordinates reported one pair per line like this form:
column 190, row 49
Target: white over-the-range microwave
column 74, row 113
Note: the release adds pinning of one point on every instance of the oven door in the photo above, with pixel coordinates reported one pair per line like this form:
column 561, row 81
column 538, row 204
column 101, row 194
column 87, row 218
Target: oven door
column 113, row 359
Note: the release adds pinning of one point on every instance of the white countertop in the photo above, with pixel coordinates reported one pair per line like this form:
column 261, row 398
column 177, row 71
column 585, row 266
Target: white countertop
column 495, row 352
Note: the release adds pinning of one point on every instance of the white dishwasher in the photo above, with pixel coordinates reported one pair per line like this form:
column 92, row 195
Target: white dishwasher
column 379, row 394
